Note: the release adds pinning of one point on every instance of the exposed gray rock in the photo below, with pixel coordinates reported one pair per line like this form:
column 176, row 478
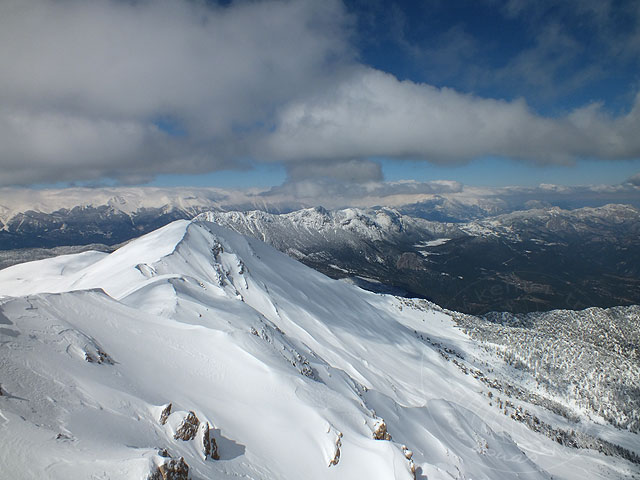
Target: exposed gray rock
column 209, row 444
column 188, row 428
column 164, row 416
column 99, row 357
column 336, row 454
column 172, row 470
column 380, row 433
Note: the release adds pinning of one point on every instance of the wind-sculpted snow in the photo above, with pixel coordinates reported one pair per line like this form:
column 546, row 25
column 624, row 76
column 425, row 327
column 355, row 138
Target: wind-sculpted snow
column 194, row 339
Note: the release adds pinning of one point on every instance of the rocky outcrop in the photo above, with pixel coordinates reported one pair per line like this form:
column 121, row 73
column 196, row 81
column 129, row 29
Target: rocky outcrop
column 164, row 416
column 336, row 455
column 380, row 432
column 98, row 357
column 209, row 444
column 188, row 428
column 408, row 454
column 171, row 470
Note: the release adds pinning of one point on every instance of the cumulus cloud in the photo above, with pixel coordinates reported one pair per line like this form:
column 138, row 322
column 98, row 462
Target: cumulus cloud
column 87, row 86
column 372, row 113
column 128, row 90
column 634, row 180
column 296, row 193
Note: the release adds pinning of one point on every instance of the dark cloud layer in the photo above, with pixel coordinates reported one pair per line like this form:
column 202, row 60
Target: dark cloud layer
column 340, row 171
column 129, row 90
column 92, row 88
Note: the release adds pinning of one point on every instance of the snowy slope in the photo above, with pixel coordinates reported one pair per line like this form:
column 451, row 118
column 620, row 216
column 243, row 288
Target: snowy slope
column 291, row 373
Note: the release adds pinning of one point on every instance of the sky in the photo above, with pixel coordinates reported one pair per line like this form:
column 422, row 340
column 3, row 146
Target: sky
column 276, row 93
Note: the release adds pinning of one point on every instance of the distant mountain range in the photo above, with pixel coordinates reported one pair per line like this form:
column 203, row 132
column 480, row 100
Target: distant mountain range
column 522, row 261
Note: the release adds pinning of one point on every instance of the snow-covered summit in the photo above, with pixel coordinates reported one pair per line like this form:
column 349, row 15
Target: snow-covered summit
column 558, row 224
column 197, row 348
column 314, row 226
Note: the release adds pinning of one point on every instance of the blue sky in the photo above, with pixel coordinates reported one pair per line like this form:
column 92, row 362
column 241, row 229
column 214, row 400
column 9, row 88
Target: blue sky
column 557, row 55
column 487, row 172
column 241, row 94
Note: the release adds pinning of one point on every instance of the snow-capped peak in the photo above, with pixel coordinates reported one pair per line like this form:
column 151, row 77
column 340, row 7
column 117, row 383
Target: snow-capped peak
column 196, row 348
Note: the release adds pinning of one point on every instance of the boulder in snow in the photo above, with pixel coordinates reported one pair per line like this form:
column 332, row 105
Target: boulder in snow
column 336, row 455
column 380, row 432
column 171, row 470
column 209, row 444
column 188, row 428
column 164, row 416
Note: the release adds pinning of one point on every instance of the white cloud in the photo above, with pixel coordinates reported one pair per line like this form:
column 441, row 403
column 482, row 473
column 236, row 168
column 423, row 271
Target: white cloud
column 84, row 82
column 339, row 193
column 373, row 114
column 87, row 86
column 634, row 180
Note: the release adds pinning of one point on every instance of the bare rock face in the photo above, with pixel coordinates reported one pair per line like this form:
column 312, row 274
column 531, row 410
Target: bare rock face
column 98, row 357
column 408, row 454
column 188, row 428
column 336, row 455
column 380, row 433
column 164, row 416
column 172, row 470
column 217, row 249
column 413, row 469
column 209, row 444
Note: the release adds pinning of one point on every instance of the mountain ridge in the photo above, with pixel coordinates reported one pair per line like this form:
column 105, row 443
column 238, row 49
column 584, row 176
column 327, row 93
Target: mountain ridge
column 535, row 260
column 541, row 259
column 293, row 372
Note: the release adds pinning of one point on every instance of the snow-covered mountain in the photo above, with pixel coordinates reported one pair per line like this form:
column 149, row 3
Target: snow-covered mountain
column 50, row 218
column 312, row 226
column 534, row 260
column 195, row 351
column 547, row 225
column 36, row 218
column 371, row 243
